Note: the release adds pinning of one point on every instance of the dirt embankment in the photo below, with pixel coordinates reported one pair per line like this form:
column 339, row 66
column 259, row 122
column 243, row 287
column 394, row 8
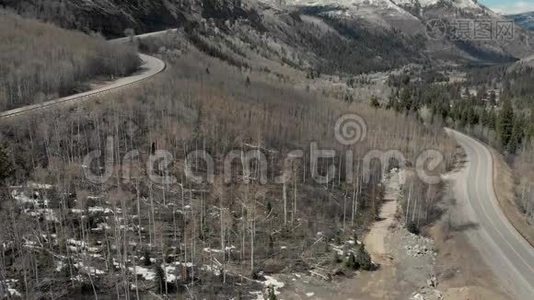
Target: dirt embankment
column 460, row 269
column 503, row 184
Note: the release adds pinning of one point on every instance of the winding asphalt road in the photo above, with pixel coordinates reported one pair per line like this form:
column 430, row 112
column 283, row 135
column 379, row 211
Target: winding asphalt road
column 509, row 255
column 150, row 67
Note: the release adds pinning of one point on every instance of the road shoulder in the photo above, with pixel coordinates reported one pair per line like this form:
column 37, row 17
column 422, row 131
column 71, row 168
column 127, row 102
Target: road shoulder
column 460, row 269
column 503, row 184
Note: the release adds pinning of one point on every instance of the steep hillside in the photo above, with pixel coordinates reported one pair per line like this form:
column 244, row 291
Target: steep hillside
column 415, row 16
column 349, row 36
column 111, row 17
column 41, row 61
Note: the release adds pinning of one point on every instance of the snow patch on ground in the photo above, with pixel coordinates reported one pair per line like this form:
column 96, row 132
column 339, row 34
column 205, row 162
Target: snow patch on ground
column 171, row 271
column 23, row 199
column 211, row 250
column 270, row 282
column 59, row 265
column 88, row 270
column 9, row 286
column 146, row 273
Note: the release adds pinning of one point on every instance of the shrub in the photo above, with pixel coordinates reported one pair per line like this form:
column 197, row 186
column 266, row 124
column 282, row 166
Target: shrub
column 336, row 258
column 6, row 167
column 352, row 263
column 160, row 278
column 364, row 259
column 146, row 258
column 413, row 228
column 272, row 294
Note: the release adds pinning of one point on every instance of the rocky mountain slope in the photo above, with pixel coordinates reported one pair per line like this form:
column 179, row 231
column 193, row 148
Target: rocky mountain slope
column 415, row 16
column 348, row 36
column 109, row 17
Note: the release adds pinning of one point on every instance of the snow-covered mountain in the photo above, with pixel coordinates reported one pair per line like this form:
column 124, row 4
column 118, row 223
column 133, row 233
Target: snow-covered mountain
column 463, row 4
column 406, row 15
column 335, row 36
column 525, row 20
column 369, row 9
column 460, row 4
column 396, row 5
column 411, row 17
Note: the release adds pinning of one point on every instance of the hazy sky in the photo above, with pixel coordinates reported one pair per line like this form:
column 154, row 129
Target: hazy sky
column 509, row 6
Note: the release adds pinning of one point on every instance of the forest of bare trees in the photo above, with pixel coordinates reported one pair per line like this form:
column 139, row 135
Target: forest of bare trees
column 130, row 236
column 39, row 61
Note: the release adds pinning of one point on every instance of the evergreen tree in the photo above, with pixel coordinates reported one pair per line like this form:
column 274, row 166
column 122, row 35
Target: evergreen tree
column 374, row 102
column 272, row 294
column 530, row 129
column 492, row 119
column 518, row 134
column 364, row 259
column 6, row 168
column 146, row 257
column 406, row 100
column 351, row 262
column 160, row 278
column 484, row 118
column 412, row 228
column 392, row 103
column 505, row 123
column 470, row 115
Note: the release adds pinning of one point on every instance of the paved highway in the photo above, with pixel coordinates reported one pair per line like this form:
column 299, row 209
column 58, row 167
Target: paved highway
column 509, row 255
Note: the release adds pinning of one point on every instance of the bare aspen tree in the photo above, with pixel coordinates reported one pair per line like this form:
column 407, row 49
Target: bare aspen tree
column 223, row 239
column 284, row 197
column 252, row 236
column 344, row 210
column 408, row 202
column 294, row 215
column 83, row 246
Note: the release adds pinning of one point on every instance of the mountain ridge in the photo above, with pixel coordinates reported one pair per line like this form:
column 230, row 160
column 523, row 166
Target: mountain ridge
column 375, row 34
column 524, row 20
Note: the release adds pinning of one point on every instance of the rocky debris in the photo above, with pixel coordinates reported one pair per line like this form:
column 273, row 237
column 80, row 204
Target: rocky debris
column 271, row 285
column 321, row 274
column 427, row 294
column 415, row 258
column 432, row 282
column 417, row 246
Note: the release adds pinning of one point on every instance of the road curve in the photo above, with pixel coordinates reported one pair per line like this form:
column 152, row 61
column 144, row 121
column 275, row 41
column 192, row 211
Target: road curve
column 150, row 67
column 509, row 255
